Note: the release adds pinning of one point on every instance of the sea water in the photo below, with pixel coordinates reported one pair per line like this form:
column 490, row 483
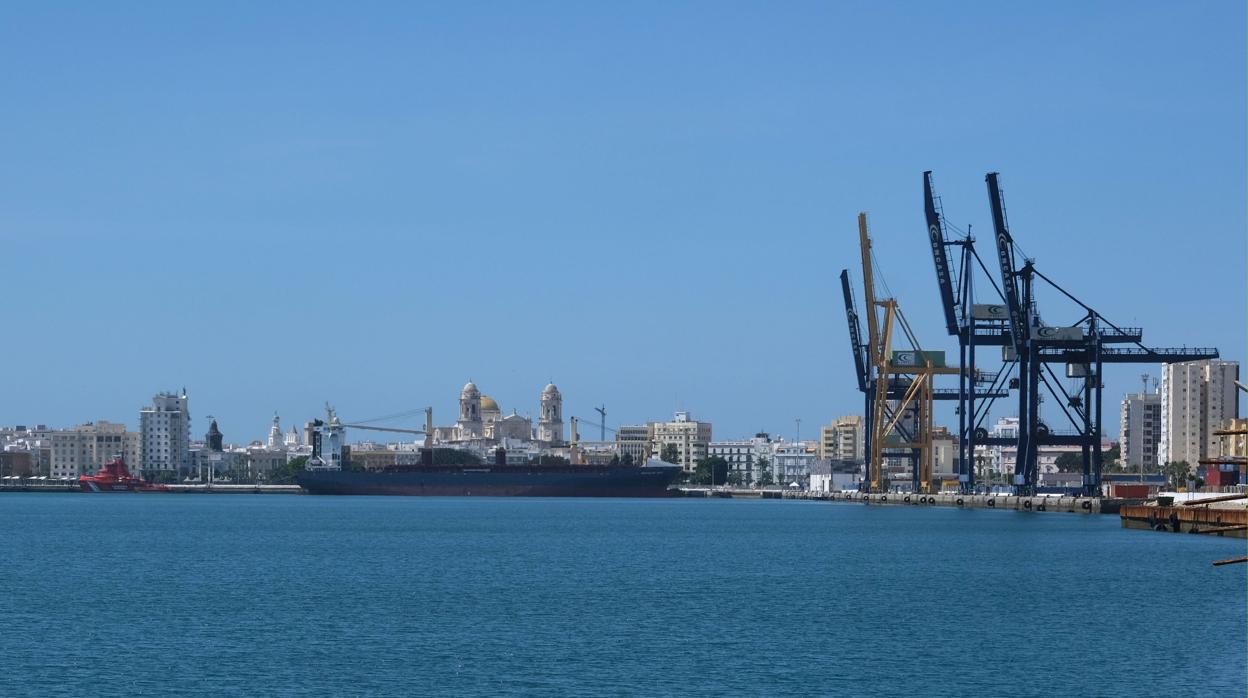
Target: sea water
column 151, row 594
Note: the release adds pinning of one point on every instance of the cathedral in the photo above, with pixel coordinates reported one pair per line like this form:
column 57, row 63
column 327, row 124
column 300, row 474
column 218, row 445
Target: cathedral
column 481, row 421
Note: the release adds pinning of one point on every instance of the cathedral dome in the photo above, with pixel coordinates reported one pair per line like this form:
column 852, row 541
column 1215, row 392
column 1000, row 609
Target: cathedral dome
column 488, row 403
column 550, row 389
column 470, row 390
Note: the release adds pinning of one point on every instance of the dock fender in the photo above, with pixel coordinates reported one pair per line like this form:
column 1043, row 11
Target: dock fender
column 907, row 499
column 1040, row 507
column 1027, row 504
column 959, row 501
column 883, row 498
column 992, row 503
column 1087, row 506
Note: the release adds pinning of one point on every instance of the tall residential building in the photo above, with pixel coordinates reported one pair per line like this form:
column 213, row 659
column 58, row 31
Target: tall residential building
column 1197, row 398
column 842, row 440
column 84, row 449
column 690, row 437
column 1140, row 430
column 166, row 442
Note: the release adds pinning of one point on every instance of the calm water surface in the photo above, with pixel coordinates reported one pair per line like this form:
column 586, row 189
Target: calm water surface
column 279, row 595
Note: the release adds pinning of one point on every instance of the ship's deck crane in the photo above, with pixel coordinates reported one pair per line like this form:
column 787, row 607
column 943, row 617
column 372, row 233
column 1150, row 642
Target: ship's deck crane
column 427, row 431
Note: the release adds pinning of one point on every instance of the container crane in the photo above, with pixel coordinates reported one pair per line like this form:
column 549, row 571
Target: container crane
column 899, row 385
column 1081, row 346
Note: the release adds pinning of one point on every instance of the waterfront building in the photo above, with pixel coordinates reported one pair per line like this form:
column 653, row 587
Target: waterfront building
column 1197, row 398
column 16, row 463
column 31, row 445
column 944, row 455
column 688, row 436
column 791, row 461
column 632, row 442
column 210, row 465
column 1140, row 430
column 165, row 426
column 84, row 449
column 830, row 476
column 743, row 455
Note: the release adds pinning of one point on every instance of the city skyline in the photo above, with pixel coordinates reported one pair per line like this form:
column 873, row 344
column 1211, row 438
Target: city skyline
column 651, row 212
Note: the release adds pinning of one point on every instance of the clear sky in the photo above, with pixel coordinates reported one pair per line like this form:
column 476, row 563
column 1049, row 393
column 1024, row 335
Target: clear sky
column 278, row 204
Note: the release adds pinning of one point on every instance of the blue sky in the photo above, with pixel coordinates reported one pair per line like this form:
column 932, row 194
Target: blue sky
column 281, row 204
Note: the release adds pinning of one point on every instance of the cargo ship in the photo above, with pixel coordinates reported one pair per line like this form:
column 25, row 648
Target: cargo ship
column 495, row 481
column 115, row 477
column 466, row 476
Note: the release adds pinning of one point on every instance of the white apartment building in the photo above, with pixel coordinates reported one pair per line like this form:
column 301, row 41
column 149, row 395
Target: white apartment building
column 690, row 437
column 743, row 455
column 1197, row 399
column 1139, row 430
column 84, row 449
column 792, row 461
column 165, row 426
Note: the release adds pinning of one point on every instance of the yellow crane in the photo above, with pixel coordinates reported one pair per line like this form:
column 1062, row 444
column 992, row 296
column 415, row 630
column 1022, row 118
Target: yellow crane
column 903, row 381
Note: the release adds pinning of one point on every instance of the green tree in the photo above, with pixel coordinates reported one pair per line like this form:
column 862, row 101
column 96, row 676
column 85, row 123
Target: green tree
column 670, row 454
column 627, row 459
column 1176, row 473
column 1111, row 460
column 1069, row 462
column 763, row 467
column 285, row 475
column 735, row 478
column 710, row 471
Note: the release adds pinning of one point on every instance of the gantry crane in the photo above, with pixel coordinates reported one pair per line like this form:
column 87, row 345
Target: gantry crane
column 898, row 386
column 1029, row 347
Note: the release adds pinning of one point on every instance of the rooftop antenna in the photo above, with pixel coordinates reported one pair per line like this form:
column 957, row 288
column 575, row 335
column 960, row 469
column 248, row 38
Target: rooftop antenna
column 1144, row 390
column 799, row 430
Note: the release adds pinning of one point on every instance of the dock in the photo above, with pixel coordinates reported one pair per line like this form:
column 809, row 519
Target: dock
column 1218, row 516
column 1037, row 503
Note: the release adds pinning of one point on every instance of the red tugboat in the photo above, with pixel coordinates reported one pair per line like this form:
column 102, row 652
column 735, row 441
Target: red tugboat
column 115, row 477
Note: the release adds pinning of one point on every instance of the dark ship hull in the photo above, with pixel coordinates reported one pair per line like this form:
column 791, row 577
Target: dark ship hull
column 496, row 481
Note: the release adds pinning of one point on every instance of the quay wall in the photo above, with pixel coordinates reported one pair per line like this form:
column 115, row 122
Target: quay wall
column 1040, row 504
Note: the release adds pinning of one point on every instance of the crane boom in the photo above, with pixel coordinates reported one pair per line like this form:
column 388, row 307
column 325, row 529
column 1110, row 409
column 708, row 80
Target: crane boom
column 936, row 235
column 1005, row 257
column 394, row 429
column 855, row 333
column 868, row 289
